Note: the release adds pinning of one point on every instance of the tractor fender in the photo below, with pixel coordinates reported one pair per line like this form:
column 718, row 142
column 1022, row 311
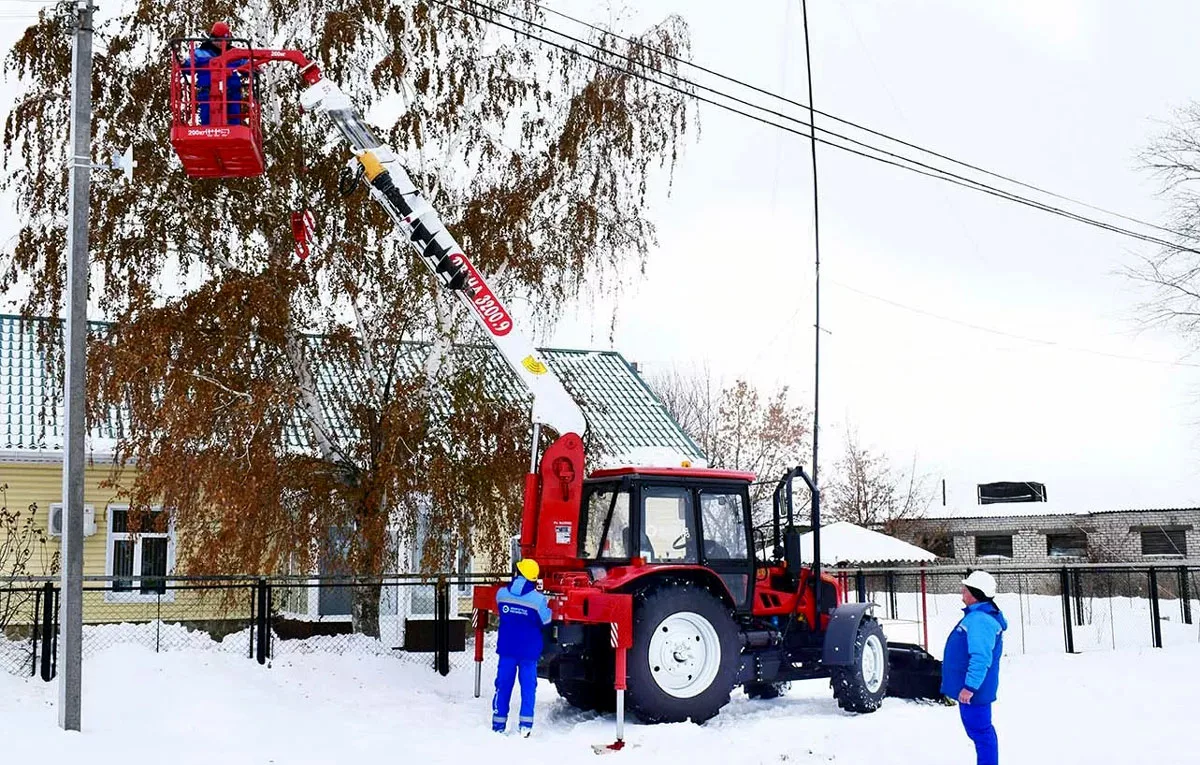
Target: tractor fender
column 637, row 578
column 842, row 632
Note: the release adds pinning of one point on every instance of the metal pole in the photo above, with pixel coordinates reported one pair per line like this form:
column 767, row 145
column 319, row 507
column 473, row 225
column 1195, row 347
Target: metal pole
column 924, row 611
column 1155, row 624
column 75, row 347
column 817, row 253
column 1064, row 580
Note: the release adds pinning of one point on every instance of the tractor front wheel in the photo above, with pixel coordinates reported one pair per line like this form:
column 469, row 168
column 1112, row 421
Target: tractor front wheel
column 685, row 654
column 861, row 685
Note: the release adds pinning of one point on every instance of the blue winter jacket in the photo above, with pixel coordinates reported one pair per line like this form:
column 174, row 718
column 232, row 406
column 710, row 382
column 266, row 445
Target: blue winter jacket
column 972, row 656
column 523, row 612
column 198, row 65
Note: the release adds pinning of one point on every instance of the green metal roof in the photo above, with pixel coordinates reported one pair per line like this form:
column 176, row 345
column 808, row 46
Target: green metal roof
column 624, row 417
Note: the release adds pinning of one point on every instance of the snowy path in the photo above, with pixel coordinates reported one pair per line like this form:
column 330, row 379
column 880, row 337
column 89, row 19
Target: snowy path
column 211, row 707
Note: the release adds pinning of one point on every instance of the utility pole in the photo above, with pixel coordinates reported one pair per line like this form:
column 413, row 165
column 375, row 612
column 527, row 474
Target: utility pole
column 74, row 388
column 817, row 246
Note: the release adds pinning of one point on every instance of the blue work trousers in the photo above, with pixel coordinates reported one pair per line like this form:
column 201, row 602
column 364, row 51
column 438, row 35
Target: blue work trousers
column 509, row 671
column 977, row 720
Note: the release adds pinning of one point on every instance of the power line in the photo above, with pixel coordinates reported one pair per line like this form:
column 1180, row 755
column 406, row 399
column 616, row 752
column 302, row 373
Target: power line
column 896, row 160
column 850, row 123
column 1003, row 333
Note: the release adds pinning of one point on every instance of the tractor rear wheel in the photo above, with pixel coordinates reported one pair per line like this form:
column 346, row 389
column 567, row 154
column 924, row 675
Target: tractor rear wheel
column 861, row 686
column 684, row 657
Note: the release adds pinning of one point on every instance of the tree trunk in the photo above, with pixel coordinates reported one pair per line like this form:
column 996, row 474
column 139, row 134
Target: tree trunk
column 364, row 609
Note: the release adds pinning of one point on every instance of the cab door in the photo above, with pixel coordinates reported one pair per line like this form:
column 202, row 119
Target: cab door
column 725, row 533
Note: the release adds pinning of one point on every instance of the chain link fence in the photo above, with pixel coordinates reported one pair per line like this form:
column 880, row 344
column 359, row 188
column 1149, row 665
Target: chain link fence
column 425, row 620
column 420, row 619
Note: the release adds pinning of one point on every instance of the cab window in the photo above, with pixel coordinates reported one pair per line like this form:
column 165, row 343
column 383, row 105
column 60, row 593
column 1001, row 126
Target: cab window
column 724, row 517
column 668, row 525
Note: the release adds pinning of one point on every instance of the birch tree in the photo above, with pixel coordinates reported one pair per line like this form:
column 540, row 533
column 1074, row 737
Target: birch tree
column 223, row 343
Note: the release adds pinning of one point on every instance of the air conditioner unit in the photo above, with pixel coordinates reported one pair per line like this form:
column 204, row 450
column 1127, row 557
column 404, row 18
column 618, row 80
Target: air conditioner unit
column 56, row 520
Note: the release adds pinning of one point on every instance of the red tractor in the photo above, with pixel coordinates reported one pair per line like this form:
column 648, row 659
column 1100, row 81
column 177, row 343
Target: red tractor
column 659, row 588
column 652, row 572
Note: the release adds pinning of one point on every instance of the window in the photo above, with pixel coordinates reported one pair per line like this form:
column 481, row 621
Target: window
column 607, row 532
column 994, row 546
column 140, row 554
column 1164, row 542
column 1069, row 544
column 463, row 565
column 724, row 519
column 668, row 525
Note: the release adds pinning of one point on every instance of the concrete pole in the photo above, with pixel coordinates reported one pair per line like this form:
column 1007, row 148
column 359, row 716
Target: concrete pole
column 71, row 612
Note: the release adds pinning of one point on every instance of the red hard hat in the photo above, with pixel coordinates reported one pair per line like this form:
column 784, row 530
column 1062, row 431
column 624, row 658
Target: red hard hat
column 220, row 29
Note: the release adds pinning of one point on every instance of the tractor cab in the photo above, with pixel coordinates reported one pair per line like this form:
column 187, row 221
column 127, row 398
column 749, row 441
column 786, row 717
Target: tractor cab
column 697, row 523
column 637, row 520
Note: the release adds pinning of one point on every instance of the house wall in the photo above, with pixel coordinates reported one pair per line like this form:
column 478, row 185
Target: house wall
column 40, row 483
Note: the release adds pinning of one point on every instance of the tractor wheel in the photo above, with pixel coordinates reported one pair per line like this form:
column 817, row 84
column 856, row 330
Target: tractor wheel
column 861, row 686
column 685, row 654
column 588, row 696
column 765, row 690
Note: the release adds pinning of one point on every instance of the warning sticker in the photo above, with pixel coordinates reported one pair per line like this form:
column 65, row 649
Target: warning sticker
column 562, row 533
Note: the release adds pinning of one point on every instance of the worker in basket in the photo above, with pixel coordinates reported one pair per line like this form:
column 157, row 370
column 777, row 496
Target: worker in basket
column 523, row 612
column 197, row 64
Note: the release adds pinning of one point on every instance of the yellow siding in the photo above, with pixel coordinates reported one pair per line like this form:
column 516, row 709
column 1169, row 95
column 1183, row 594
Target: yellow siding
column 41, row 483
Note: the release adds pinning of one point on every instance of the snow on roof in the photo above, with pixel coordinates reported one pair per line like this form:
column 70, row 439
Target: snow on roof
column 628, row 422
column 844, row 542
column 652, row 456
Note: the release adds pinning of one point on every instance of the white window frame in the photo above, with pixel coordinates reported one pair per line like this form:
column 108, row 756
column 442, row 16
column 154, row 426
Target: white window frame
column 134, row 595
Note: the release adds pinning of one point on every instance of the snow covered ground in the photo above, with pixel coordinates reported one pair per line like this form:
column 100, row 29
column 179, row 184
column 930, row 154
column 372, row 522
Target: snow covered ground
column 210, row 705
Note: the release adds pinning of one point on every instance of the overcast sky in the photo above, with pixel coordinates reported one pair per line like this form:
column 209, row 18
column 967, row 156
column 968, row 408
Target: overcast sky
column 1060, row 93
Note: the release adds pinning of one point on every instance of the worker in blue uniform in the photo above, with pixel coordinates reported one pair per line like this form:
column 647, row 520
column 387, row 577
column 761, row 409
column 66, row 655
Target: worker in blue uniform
column 523, row 612
column 198, row 65
column 971, row 663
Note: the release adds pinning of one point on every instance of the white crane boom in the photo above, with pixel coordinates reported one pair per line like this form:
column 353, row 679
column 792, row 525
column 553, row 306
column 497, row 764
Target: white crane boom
column 391, row 186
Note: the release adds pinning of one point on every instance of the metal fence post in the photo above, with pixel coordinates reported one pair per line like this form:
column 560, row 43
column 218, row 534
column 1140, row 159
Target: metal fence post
column 253, row 620
column 1185, row 595
column 1155, row 624
column 1077, row 587
column 34, row 632
column 860, row 583
column 263, row 647
column 158, row 623
column 1064, row 579
column 441, row 627
column 49, row 634
column 924, row 611
column 890, row 579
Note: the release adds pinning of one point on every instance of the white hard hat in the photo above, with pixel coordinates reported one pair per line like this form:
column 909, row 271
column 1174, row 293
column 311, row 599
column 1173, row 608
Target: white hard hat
column 982, row 581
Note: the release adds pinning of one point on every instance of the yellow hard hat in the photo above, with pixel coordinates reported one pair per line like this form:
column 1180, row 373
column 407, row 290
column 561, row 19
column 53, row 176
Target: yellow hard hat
column 528, row 568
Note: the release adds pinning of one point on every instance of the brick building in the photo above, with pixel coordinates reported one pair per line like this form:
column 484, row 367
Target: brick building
column 1018, row 533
